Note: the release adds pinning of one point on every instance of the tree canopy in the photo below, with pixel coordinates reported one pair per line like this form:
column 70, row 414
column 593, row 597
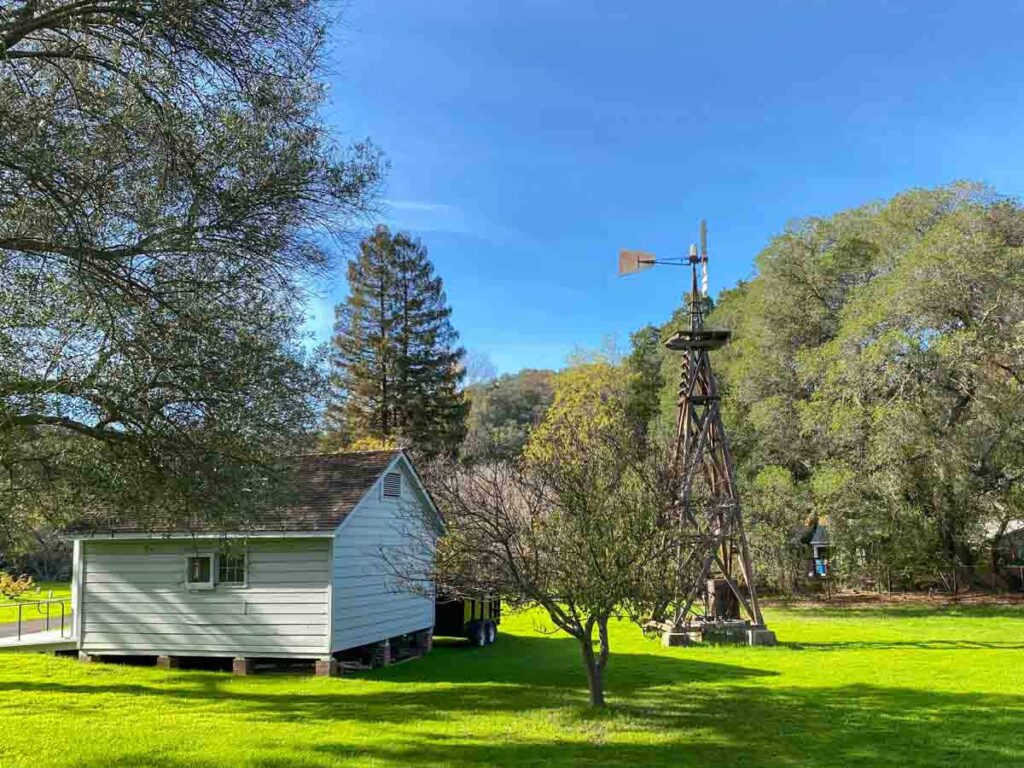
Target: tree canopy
column 875, row 380
column 502, row 413
column 164, row 175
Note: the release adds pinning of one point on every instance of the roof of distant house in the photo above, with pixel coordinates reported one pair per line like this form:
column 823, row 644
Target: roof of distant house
column 820, row 536
column 326, row 488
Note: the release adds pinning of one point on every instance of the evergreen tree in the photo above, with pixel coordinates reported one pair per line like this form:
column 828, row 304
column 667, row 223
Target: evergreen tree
column 396, row 359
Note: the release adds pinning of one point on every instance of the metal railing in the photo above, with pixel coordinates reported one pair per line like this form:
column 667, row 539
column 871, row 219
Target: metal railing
column 38, row 605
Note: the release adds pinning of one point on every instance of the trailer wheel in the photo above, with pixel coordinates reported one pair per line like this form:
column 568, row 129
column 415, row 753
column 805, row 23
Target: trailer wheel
column 478, row 634
column 492, row 632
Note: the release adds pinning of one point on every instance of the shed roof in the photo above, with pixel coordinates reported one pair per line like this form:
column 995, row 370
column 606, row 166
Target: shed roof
column 326, row 488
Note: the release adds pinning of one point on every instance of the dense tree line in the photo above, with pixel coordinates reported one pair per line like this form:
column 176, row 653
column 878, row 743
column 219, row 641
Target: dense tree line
column 503, row 412
column 875, row 381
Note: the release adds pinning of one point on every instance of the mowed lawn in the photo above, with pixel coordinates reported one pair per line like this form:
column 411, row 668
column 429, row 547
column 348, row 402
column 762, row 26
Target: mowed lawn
column 907, row 686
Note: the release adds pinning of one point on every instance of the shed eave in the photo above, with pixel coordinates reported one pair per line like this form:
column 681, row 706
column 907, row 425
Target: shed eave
column 142, row 536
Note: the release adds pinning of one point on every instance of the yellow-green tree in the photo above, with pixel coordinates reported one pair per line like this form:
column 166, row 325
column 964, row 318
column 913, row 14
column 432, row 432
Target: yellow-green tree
column 577, row 527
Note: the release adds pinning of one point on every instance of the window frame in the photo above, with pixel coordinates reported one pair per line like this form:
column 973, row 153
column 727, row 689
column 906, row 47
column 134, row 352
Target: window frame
column 244, row 554
column 196, row 586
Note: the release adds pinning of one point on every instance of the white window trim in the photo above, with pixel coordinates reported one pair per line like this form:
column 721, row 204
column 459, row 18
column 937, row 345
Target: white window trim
column 200, row 586
column 244, row 583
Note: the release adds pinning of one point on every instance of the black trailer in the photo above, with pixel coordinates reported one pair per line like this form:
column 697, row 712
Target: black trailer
column 475, row 620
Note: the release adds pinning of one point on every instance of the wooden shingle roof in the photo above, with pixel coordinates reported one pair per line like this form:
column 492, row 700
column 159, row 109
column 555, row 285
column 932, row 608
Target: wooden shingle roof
column 326, row 488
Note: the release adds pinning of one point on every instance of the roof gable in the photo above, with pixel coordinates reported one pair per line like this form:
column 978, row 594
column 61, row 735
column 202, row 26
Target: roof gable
column 403, row 463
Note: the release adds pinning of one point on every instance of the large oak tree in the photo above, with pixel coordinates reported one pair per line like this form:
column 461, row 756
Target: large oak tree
column 165, row 181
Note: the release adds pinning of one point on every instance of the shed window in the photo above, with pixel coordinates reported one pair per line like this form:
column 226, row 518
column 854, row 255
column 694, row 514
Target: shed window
column 392, row 485
column 231, row 568
column 199, row 572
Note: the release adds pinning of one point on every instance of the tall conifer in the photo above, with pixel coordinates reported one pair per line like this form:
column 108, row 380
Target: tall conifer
column 396, row 358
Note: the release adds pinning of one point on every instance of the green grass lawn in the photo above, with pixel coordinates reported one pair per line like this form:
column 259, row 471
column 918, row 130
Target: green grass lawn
column 899, row 687
column 44, row 591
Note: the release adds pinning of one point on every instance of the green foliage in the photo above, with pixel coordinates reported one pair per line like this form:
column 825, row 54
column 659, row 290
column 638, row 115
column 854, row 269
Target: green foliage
column 396, row 360
column 590, row 412
column 644, row 363
column 503, row 412
column 877, row 362
column 164, row 178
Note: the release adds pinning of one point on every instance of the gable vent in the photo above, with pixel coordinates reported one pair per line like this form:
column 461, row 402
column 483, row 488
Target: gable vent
column 392, row 485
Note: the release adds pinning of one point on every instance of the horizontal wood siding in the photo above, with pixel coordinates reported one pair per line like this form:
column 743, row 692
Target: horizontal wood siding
column 135, row 600
column 370, row 604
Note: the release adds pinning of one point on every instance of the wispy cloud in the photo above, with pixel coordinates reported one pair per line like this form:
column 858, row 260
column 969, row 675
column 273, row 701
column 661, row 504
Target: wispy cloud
column 419, row 206
column 434, row 216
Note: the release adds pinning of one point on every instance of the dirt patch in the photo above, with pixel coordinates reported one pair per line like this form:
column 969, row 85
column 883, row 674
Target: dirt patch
column 854, row 600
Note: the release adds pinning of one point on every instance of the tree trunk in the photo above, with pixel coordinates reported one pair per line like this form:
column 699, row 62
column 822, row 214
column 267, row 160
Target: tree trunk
column 594, row 664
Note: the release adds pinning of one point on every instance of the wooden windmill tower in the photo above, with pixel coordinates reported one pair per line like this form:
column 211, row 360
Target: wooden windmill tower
column 716, row 593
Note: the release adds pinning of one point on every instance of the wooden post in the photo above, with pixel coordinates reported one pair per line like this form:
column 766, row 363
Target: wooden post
column 327, row 668
column 425, row 641
column 382, row 654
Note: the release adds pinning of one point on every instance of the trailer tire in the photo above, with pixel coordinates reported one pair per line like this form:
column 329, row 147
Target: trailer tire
column 478, row 634
column 492, row 632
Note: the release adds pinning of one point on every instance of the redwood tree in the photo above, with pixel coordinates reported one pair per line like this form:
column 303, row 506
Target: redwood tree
column 396, row 366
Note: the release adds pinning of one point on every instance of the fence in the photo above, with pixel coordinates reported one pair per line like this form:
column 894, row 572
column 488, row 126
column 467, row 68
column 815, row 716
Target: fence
column 44, row 611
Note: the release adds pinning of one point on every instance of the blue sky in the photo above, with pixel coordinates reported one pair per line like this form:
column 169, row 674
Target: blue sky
column 530, row 141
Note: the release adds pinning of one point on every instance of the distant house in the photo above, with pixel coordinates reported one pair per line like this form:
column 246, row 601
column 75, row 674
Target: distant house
column 1006, row 546
column 819, row 544
column 1007, row 541
column 309, row 582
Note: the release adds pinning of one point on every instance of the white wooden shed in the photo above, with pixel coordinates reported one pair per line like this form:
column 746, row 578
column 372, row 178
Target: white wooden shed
column 314, row 580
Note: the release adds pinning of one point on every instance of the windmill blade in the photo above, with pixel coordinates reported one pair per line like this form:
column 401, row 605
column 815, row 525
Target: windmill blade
column 704, row 239
column 634, row 261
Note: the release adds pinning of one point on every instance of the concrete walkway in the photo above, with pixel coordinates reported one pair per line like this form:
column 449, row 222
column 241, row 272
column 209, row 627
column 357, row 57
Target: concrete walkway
column 10, row 629
column 39, row 641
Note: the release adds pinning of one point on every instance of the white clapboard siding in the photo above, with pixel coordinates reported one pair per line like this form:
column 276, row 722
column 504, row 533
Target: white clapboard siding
column 135, row 601
column 369, row 604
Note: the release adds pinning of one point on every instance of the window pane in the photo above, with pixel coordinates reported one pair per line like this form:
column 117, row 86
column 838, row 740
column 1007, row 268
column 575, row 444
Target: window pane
column 231, row 569
column 199, row 569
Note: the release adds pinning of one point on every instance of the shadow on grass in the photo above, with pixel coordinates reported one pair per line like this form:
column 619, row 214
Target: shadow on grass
column 920, row 645
column 524, row 673
column 857, row 725
column 554, row 662
column 666, row 710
